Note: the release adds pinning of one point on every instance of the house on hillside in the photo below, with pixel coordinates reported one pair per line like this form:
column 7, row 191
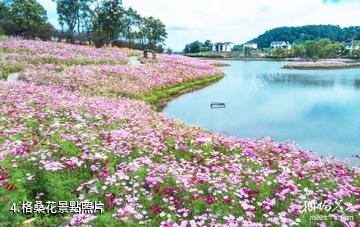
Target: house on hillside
column 353, row 45
column 223, row 47
column 250, row 45
column 280, row 44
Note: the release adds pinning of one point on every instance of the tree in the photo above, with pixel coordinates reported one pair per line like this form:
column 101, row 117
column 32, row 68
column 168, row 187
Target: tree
column 206, row 46
column 280, row 52
column 86, row 15
column 356, row 54
column 193, row 47
column 9, row 27
column 75, row 14
column 315, row 49
column 238, row 48
column 107, row 22
column 4, row 11
column 45, row 31
column 68, row 11
column 29, row 16
column 298, row 50
column 196, row 47
column 155, row 32
column 6, row 25
column 109, row 18
column 141, row 29
column 247, row 52
column 132, row 20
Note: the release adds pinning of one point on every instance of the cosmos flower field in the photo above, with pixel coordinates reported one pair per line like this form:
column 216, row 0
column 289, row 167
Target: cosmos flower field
column 76, row 128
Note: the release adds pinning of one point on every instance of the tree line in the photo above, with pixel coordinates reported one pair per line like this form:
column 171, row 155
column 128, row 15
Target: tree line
column 83, row 21
column 197, row 47
column 24, row 18
column 301, row 34
column 316, row 49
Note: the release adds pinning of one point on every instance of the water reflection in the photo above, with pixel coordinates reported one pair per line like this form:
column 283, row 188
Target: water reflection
column 295, row 80
column 320, row 110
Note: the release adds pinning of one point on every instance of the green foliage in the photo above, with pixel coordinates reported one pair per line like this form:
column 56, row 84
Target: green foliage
column 308, row 32
column 322, row 48
column 27, row 13
column 68, row 12
column 238, row 48
column 247, row 52
column 279, row 52
column 28, row 16
column 299, row 50
column 98, row 39
column 355, row 53
column 112, row 20
column 75, row 12
column 220, row 64
column 157, row 97
column 132, row 21
column 311, row 49
column 55, row 186
column 154, row 32
column 109, row 18
column 197, row 47
column 86, row 15
column 45, row 31
column 25, row 18
column 8, row 26
column 108, row 22
column 4, row 11
column 5, row 70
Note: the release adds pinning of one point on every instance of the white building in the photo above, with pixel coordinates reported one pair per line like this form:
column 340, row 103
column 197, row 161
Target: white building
column 280, row 44
column 250, row 45
column 223, row 47
column 353, row 45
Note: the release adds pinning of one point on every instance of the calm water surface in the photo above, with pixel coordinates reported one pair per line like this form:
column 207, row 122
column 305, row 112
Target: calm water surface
column 318, row 109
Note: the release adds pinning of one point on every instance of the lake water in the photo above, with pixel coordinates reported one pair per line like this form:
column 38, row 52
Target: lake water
column 318, row 109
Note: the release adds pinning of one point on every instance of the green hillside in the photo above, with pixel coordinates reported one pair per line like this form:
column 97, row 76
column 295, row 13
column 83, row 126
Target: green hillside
column 308, row 32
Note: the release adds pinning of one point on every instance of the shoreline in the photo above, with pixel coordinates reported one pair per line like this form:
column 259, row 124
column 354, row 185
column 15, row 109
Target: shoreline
column 271, row 59
column 315, row 67
column 324, row 64
column 299, row 65
column 159, row 98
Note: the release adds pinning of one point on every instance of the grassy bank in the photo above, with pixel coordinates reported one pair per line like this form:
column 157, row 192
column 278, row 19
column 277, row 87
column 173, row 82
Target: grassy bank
column 6, row 70
column 220, row 64
column 158, row 98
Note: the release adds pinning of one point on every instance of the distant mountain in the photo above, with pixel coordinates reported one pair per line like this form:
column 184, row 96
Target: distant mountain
column 308, row 32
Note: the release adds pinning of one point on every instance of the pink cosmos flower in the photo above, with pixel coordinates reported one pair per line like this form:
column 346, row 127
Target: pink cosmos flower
column 209, row 200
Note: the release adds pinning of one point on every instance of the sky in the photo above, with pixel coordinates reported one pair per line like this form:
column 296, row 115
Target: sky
column 234, row 20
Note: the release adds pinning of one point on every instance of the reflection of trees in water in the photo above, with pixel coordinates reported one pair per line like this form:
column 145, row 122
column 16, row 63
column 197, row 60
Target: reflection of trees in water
column 306, row 80
column 357, row 83
column 259, row 81
column 296, row 80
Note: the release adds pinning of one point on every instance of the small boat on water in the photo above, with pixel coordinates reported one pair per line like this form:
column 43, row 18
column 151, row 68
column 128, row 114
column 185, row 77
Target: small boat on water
column 217, row 105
